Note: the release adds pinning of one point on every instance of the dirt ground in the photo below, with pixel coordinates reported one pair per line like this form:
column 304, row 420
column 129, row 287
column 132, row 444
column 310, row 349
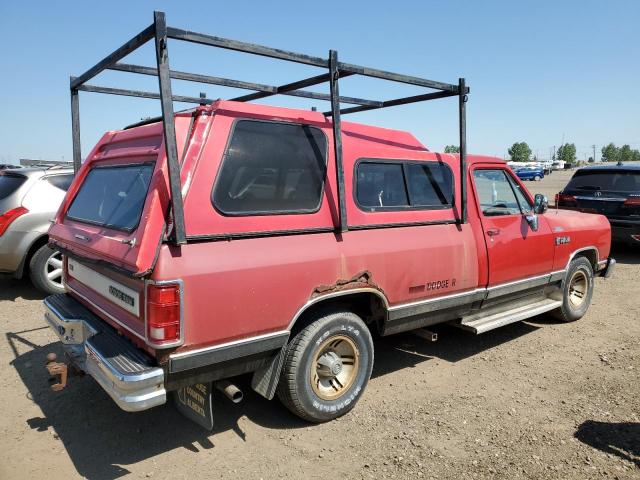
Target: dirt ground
column 536, row 399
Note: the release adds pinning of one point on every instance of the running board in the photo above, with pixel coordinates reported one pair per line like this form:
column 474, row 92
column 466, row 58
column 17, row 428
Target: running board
column 481, row 322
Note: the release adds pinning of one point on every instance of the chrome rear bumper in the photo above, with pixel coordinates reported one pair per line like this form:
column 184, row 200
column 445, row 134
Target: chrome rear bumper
column 126, row 373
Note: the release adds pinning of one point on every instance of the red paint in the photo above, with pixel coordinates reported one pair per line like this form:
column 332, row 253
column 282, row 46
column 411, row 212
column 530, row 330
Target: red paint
column 236, row 288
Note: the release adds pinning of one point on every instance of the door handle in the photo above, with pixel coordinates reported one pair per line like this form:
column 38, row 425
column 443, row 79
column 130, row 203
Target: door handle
column 492, row 232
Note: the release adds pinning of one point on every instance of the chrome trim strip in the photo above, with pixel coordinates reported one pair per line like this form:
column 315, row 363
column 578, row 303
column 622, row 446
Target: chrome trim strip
column 518, row 285
column 557, row 276
column 584, row 249
column 436, row 299
column 180, row 340
column 402, row 312
column 600, row 199
column 337, row 294
column 516, row 282
column 220, row 346
column 228, row 352
column 111, row 317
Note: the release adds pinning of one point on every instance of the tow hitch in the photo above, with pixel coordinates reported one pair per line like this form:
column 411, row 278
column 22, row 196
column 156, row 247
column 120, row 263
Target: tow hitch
column 57, row 372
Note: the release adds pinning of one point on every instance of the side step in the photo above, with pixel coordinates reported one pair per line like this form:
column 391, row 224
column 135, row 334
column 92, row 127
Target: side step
column 484, row 321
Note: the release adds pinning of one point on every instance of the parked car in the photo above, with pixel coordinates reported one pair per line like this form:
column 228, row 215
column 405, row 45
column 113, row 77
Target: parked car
column 280, row 241
column 29, row 199
column 8, row 166
column 530, row 173
column 611, row 190
column 262, row 271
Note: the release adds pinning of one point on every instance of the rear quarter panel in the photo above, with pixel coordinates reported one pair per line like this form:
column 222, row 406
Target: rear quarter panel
column 245, row 287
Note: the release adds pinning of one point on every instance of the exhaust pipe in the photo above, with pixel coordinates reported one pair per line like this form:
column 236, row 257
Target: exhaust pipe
column 232, row 392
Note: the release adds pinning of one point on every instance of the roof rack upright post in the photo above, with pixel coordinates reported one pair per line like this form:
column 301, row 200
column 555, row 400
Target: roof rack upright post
column 337, row 136
column 168, row 125
column 75, row 128
column 462, row 100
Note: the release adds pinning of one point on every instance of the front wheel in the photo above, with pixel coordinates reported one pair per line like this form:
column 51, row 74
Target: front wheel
column 327, row 367
column 536, row 178
column 577, row 290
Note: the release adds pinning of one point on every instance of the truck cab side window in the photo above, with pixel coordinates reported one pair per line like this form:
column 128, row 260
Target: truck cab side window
column 403, row 185
column 381, row 185
column 525, row 206
column 430, row 184
column 495, row 193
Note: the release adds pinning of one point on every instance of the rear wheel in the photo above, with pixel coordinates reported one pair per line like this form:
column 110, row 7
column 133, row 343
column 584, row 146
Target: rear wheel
column 537, row 178
column 327, row 367
column 45, row 269
column 577, row 290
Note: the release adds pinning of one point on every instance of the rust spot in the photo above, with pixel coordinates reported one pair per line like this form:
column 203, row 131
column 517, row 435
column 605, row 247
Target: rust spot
column 359, row 280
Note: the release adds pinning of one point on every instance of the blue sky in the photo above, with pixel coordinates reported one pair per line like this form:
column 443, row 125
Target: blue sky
column 539, row 71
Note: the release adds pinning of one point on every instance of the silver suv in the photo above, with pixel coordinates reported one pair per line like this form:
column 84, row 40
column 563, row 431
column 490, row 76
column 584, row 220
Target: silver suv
column 29, row 199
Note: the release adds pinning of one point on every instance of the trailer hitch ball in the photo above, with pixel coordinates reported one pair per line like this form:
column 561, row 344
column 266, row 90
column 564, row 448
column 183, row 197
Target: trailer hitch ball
column 57, row 371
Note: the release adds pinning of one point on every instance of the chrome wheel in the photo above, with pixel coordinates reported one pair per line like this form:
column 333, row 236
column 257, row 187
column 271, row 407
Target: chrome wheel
column 578, row 288
column 334, row 367
column 53, row 269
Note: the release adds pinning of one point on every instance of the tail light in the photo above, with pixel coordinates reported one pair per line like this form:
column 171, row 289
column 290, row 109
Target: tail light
column 562, row 199
column 8, row 217
column 164, row 314
column 632, row 202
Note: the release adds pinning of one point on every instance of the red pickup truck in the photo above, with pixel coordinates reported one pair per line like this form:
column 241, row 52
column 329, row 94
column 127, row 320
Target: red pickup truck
column 292, row 262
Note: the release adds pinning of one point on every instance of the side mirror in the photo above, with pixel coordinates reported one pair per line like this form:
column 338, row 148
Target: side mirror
column 540, row 203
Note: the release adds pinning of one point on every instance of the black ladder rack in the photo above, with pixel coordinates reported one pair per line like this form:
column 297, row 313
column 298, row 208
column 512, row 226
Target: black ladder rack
column 160, row 33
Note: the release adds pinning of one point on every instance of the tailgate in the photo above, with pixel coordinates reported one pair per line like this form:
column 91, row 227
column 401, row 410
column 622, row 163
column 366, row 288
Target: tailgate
column 116, row 298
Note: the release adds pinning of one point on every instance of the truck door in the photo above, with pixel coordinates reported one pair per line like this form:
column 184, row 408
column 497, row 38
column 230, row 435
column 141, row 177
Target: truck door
column 516, row 252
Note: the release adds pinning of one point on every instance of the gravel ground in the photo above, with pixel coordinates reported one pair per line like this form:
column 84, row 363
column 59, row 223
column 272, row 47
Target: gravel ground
column 536, row 399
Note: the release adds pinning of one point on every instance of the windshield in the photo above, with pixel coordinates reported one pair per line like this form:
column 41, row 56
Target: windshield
column 617, row 181
column 113, row 196
column 10, row 183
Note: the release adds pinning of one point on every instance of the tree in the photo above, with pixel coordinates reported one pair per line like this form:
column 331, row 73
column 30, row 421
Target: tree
column 451, row 149
column 520, row 152
column 636, row 155
column 567, row 153
column 591, row 160
column 625, row 154
column 610, row 153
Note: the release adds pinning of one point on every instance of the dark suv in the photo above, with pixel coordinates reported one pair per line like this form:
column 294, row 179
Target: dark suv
column 612, row 190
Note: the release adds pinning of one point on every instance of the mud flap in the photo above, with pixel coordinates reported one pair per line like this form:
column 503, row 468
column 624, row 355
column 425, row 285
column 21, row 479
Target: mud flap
column 195, row 402
column 265, row 380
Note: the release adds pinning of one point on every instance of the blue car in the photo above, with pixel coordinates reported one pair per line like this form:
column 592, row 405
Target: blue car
column 530, row 173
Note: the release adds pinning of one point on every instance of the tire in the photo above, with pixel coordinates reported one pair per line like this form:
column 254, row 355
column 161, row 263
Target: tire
column 309, row 385
column 45, row 269
column 577, row 290
column 536, row 178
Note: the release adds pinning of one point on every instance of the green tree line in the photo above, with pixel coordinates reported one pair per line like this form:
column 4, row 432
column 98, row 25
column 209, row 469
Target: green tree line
column 521, row 152
column 611, row 153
